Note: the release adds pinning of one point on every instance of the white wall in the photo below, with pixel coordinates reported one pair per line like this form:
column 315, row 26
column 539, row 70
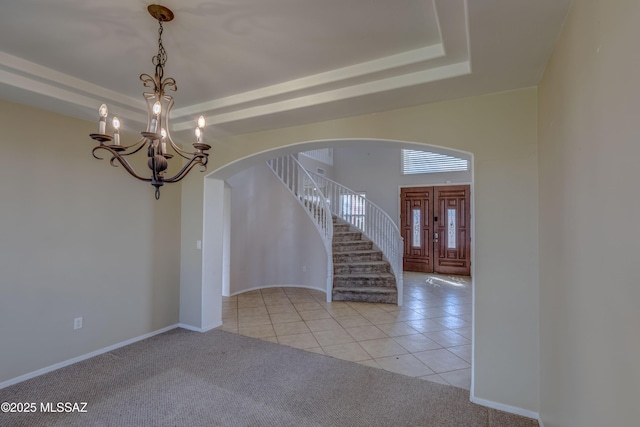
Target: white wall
column 78, row 238
column 312, row 165
column 501, row 132
column 377, row 172
column 273, row 240
column 589, row 139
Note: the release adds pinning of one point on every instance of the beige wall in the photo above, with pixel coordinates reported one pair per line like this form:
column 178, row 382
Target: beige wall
column 77, row 238
column 589, row 131
column 501, row 131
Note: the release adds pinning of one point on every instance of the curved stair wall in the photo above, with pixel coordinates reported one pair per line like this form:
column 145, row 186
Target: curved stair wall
column 300, row 183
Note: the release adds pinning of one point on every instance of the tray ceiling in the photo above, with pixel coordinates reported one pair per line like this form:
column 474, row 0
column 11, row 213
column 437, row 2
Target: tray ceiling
column 250, row 65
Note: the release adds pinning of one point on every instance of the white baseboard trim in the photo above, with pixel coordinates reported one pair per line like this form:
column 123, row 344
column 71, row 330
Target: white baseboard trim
column 278, row 286
column 507, row 408
column 196, row 329
column 73, row 360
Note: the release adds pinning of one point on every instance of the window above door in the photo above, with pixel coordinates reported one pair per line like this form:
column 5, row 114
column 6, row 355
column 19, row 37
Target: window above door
column 417, row 162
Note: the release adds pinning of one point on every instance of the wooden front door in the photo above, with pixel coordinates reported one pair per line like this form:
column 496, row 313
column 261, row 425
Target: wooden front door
column 435, row 225
column 452, row 238
column 416, row 211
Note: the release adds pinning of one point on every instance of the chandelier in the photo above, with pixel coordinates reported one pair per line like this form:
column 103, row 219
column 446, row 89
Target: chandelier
column 156, row 138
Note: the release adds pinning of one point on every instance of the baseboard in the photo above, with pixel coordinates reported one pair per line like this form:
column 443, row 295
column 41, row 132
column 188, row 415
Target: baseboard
column 507, row 408
column 71, row 361
column 196, row 329
column 278, row 286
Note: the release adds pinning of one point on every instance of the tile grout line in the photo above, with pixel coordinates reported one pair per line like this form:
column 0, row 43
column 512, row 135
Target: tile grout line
column 366, row 312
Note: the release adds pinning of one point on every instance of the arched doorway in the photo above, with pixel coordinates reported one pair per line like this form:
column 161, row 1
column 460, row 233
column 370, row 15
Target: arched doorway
column 216, row 214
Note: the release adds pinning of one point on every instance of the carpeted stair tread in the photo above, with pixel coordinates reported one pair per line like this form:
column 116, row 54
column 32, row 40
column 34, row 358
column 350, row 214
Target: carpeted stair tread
column 362, row 252
column 365, row 276
column 371, row 290
column 360, row 263
column 379, row 295
column 355, row 245
column 364, row 280
column 358, row 267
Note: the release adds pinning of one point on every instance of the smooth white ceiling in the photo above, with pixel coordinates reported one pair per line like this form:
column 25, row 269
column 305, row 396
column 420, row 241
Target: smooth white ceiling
column 249, row 65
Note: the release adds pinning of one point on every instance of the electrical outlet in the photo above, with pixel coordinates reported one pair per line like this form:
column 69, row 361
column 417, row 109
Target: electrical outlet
column 77, row 323
column 304, row 268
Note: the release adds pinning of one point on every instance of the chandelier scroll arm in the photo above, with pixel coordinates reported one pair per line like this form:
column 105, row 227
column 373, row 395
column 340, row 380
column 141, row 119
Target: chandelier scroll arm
column 149, row 82
column 116, row 156
column 197, row 160
column 168, row 83
column 187, row 155
column 140, row 145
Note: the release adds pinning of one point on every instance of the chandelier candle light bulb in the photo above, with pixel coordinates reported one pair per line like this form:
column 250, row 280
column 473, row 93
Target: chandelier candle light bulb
column 116, row 131
column 157, row 109
column 156, row 143
column 102, row 123
column 200, row 130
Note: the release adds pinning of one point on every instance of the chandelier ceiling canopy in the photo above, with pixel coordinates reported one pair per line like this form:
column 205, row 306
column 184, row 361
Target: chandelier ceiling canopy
column 156, row 138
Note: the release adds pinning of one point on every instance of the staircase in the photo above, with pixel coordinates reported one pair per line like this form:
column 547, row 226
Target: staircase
column 364, row 248
column 360, row 272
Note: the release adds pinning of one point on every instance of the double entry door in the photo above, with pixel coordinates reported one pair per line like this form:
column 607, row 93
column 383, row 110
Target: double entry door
column 435, row 224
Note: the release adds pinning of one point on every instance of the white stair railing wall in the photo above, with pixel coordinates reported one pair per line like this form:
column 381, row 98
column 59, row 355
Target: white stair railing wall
column 367, row 217
column 300, row 183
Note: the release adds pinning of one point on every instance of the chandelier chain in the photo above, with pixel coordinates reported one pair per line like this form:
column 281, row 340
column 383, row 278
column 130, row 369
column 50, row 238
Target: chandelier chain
column 161, row 58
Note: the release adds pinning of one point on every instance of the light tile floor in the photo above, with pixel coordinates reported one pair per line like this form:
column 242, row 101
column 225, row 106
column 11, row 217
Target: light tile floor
column 429, row 337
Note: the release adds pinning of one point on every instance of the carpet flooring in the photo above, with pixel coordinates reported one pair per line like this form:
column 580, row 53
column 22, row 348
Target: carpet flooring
column 183, row 378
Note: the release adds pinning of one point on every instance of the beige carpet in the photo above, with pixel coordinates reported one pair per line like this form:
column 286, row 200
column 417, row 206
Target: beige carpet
column 183, row 378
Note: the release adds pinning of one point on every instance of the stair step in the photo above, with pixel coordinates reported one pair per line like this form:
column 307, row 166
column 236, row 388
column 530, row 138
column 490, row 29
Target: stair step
column 338, row 228
column 374, row 294
column 355, row 245
column 357, row 256
column 366, row 280
column 346, row 236
column 361, row 267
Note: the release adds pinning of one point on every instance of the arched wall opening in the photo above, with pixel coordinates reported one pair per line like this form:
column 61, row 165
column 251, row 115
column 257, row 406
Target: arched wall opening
column 217, row 201
column 500, row 131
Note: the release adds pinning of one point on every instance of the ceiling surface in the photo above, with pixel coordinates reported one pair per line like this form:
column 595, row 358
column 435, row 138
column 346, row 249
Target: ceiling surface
column 250, row 65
